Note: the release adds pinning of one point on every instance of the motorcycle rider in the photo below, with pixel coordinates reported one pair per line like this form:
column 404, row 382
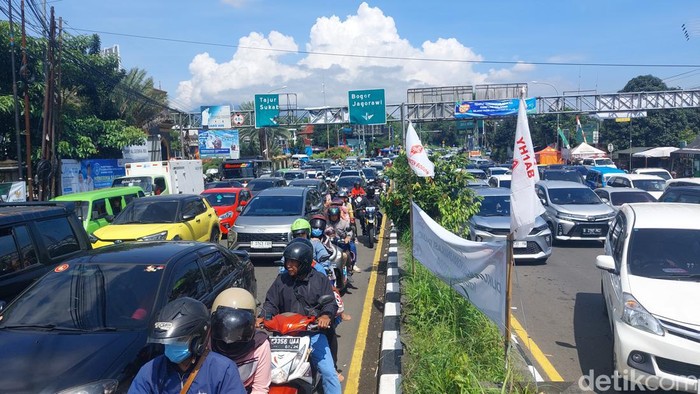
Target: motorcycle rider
column 344, row 233
column 234, row 335
column 301, row 228
column 357, row 190
column 370, row 200
column 298, row 291
column 187, row 365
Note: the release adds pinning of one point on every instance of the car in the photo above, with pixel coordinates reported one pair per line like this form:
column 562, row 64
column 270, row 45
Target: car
column 263, row 229
column 160, row 218
column 562, row 175
column 258, row 184
column 333, row 173
column 597, row 177
column 477, row 184
column 653, row 184
column 492, row 223
column 348, row 182
column 87, row 320
column 222, row 184
column 96, row 208
column 226, row 202
column 502, row 180
column 294, row 174
column 318, row 184
column 34, row 238
column 599, row 162
column 682, row 182
column 347, row 172
column 370, row 174
column 650, row 286
column 379, row 166
column 685, row 194
column 491, row 171
column 476, row 173
column 616, row 196
column 573, row 211
column 660, row 172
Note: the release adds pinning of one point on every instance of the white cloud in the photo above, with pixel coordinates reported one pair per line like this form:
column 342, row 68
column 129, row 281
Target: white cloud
column 364, row 50
column 235, row 3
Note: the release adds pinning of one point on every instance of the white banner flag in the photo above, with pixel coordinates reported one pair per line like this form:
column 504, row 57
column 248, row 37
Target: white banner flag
column 476, row 270
column 417, row 156
column 525, row 206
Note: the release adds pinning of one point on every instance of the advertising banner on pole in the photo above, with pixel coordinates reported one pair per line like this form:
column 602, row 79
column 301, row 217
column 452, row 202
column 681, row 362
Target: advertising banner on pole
column 476, row 270
column 219, row 143
column 492, row 108
column 88, row 175
column 13, row 191
column 216, row 116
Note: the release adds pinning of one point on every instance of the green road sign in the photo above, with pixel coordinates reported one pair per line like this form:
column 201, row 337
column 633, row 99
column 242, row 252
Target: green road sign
column 267, row 109
column 367, row 107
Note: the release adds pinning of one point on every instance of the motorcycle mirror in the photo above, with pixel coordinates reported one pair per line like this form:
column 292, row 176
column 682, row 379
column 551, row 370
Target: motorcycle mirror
column 325, row 299
column 279, row 263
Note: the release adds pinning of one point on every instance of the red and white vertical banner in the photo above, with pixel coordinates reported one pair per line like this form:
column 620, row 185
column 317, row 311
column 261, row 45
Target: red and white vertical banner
column 416, row 154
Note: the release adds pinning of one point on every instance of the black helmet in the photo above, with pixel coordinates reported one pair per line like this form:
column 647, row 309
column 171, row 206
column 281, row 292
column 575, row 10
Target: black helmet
column 301, row 250
column 231, row 329
column 333, row 211
column 183, row 320
column 342, row 193
column 318, row 222
column 357, row 184
column 370, row 192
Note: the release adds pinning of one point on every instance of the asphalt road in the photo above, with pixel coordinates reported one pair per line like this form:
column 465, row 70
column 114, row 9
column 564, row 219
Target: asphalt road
column 266, row 272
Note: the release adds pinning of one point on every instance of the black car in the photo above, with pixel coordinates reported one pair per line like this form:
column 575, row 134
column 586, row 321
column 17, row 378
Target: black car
column 258, row 184
column 562, row 175
column 222, row 184
column 348, row 182
column 34, row 238
column 370, row 174
column 86, row 322
column 318, row 184
column 685, row 194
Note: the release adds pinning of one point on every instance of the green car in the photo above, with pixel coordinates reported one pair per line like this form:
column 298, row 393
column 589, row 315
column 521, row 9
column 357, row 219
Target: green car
column 97, row 208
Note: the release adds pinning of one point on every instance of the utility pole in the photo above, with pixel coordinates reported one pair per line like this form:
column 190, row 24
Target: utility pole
column 56, row 124
column 15, row 99
column 30, row 188
column 46, row 134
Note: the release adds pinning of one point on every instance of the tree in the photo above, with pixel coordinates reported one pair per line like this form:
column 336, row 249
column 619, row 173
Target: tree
column 137, row 101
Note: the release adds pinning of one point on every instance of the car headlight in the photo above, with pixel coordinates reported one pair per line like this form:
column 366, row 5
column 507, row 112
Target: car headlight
column 107, row 386
column 227, row 215
column 482, row 228
column 539, row 229
column 634, row 314
column 568, row 216
column 161, row 236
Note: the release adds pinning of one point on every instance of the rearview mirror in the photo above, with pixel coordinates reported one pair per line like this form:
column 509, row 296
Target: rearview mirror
column 109, row 218
column 606, row 263
column 239, row 209
column 187, row 217
column 543, row 201
column 243, row 203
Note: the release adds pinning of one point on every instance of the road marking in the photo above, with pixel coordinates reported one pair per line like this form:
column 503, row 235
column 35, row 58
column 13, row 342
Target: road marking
column 353, row 382
column 390, row 340
column 389, row 384
column 540, row 358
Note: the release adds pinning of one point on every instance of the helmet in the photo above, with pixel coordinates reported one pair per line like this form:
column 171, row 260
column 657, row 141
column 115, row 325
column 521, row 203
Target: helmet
column 301, row 250
column 357, row 184
column 370, row 192
column 230, row 326
column 182, row 324
column 318, row 225
column 299, row 226
column 333, row 211
column 342, row 193
column 235, row 298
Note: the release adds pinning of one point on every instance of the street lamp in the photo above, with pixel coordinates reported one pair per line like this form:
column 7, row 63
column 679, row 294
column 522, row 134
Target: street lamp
column 558, row 105
column 278, row 89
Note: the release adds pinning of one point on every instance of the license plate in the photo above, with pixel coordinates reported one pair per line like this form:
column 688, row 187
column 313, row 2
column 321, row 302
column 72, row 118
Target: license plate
column 519, row 244
column 592, row 231
column 261, row 244
column 284, row 343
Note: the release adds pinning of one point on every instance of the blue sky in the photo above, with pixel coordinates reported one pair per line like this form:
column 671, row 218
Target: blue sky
column 593, row 31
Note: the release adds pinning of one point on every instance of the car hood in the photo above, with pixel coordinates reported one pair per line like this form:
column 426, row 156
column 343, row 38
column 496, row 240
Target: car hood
column 36, row 361
column 500, row 222
column 131, row 231
column 266, row 221
column 674, row 300
column 585, row 210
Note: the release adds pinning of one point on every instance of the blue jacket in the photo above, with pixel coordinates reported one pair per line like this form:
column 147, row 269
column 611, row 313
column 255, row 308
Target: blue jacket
column 217, row 375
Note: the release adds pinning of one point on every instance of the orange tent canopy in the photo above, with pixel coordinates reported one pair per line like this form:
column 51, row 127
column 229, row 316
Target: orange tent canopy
column 548, row 155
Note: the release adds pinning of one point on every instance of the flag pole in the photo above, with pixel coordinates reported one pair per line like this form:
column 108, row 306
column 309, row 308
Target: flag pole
column 509, row 269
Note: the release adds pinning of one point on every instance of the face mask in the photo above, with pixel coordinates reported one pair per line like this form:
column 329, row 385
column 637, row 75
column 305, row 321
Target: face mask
column 316, row 232
column 177, row 352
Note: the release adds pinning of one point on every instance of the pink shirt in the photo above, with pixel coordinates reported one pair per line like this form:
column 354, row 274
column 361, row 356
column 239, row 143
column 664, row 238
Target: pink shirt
column 255, row 369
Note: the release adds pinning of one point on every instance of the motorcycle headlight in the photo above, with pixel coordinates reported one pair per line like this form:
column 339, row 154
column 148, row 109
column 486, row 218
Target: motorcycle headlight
column 636, row 316
column 226, row 215
column 107, row 386
column 161, row 236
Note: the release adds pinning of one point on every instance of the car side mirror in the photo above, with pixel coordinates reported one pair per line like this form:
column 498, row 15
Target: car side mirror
column 239, row 208
column 606, row 263
column 543, row 201
column 187, row 217
column 605, row 200
column 243, row 203
column 109, row 218
column 2, row 305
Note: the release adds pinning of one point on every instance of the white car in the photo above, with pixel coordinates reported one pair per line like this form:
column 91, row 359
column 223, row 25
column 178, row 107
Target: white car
column 651, row 286
column 502, row 180
column 653, row 184
column 660, row 172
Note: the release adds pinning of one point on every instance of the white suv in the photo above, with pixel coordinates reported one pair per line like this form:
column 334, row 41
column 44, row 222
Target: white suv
column 651, row 286
column 652, row 184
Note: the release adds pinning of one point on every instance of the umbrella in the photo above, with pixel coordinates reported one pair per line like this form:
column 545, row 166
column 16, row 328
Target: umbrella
column 664, row 151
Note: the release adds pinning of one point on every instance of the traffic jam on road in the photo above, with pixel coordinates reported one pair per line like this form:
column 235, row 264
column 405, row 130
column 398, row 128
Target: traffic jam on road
column 104, row 287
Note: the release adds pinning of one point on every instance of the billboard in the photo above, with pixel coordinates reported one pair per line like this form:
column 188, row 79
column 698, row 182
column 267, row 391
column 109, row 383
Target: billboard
column 492, row 108
column 219, row 143
column 87, row 175
column 216, row 116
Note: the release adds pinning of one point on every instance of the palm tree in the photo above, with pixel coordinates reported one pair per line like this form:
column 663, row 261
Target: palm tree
column 137, row 100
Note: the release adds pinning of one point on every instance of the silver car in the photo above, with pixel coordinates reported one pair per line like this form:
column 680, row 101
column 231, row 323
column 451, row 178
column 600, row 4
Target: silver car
column 492, row 223
column 263, row 228
column 573, row 211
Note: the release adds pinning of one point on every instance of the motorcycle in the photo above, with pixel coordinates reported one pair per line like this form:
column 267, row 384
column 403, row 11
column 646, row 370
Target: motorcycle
column 370, row 218
column 290, row 346
column 336, row 268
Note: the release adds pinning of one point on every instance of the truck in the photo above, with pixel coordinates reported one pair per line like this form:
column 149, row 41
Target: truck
column 164, row 177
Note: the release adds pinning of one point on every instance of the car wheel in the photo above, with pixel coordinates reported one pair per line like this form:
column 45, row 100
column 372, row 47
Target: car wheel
column 214, row 238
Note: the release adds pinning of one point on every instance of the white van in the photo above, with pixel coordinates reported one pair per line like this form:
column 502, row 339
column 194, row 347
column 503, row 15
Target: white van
column 599, row 162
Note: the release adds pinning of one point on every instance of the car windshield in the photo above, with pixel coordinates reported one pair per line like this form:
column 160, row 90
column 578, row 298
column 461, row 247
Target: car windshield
column 603, row 162
column 293, row 175
column 498, row 171
column 562, row 176
column 214, row 185
column 220, row 199
column 274, row 206
column 504, row 183
column 629, row 197
column 303, row 183
column 495, row 206
column 378, row 167
column 577, row 196
column 334, row 171
column 477, row 174
column 665, row 253
column 348, row 182
column 369, row 172
column 650, row 185
column 148, row 211
column 350, row 173
column 257, row 185
column 661, row 174
column 88, row 297
column 142, row 181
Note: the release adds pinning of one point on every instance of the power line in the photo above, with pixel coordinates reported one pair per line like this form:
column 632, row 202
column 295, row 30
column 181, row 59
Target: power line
column 539, row 63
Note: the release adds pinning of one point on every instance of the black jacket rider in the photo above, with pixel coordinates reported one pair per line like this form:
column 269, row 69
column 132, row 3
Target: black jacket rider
column 297, row 295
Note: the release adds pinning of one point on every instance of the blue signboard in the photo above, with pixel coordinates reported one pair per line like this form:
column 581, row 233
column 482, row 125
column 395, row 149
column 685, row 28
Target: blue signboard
column 367, row 107
column 219, row 143
column 267, row 110
column 492, row 108
column 87, row 175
